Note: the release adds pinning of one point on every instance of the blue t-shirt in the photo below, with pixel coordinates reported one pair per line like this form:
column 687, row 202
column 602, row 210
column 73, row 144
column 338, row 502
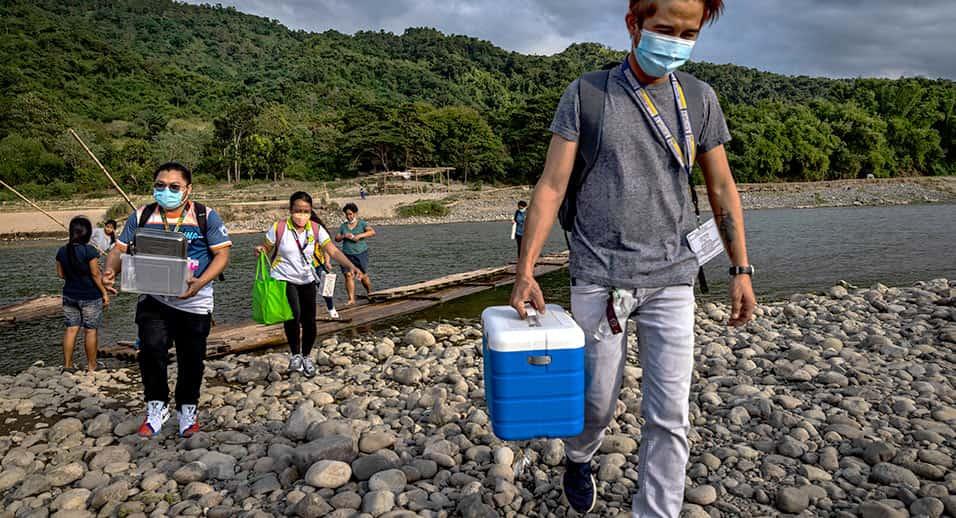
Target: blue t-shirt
column 79, row 283
column 199, row 249
column 353, row 247
column 519, row 222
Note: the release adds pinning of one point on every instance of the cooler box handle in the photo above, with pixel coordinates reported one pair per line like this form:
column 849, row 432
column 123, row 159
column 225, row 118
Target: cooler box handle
column 533, row 319
column 539, row 360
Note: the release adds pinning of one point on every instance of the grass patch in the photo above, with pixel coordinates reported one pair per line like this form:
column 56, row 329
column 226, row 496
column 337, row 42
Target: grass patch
column 423, row 208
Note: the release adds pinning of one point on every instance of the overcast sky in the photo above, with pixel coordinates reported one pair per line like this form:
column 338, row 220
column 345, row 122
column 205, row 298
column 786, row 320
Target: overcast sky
column 836, row 38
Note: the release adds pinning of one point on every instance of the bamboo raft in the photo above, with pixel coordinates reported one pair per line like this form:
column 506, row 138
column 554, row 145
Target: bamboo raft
column 44, row 306
column 245, row 337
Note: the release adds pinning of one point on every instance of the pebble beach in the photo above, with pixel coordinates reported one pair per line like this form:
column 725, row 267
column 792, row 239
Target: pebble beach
column 837, row 404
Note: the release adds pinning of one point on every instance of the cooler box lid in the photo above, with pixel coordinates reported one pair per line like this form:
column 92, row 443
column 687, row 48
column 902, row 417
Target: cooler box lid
column 506, row 332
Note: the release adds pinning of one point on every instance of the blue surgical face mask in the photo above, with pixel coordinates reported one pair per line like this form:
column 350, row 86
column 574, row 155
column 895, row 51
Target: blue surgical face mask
column 168, row 199
column 659, row 54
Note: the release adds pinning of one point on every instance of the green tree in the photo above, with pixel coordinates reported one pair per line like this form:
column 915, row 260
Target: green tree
column 232, row 130
column 26, row 160
column 862, row 148
column 525, row 132
column 183, row 141
column 465, row 141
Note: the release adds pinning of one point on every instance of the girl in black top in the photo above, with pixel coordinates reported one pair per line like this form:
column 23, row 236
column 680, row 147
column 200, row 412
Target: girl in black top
column 84, row 295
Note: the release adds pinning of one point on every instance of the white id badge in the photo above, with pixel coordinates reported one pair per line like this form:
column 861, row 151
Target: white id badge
column 705, row 242
column 328, row 286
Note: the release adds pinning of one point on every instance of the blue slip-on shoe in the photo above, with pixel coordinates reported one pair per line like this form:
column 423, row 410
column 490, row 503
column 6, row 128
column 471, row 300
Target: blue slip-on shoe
column 579, row 486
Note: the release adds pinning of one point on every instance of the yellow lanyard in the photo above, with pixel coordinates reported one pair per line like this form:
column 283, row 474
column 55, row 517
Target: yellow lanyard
column 179, row 223
column 685, row 159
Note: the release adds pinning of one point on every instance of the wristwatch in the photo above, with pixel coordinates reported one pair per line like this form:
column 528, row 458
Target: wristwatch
column 742, row 270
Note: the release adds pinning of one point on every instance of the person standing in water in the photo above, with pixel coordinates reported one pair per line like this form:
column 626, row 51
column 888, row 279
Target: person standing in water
column 293, row 245
column 518, row 220
column 84, row 295
column 185, row 320
column 352, row 234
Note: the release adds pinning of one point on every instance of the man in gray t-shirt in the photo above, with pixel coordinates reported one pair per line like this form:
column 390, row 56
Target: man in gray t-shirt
column 630, row 254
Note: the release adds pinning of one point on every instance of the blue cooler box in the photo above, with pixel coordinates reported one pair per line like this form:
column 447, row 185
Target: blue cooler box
column 534, row 374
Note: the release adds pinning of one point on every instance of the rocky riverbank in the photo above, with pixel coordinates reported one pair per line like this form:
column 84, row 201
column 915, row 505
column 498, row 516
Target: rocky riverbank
column 840, row 404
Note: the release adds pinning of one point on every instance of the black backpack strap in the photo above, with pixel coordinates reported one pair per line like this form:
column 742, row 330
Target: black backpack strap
column 147, row 213
column 201, row 217
column 694, row 90
column 144, row 216
column 592, row 90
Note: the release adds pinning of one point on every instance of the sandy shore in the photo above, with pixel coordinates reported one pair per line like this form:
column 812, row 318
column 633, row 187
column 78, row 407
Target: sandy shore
column 254, row 210
column 840, row 405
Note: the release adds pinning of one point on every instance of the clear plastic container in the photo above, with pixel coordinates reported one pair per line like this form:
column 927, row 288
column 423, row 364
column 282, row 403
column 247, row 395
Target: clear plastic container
column 154, row 274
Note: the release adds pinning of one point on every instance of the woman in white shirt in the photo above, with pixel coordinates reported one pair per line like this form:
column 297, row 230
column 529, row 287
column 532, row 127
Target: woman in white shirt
column 292, row 245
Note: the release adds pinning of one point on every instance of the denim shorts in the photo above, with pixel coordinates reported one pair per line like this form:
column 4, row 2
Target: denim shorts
column 87, row 314
column 359, row 260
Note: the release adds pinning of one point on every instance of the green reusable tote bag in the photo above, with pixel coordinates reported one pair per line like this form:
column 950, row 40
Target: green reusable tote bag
column 269, row 302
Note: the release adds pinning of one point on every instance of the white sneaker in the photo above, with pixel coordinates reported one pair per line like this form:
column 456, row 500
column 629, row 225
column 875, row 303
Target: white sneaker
column 157, row 413
column 333, row 314
column 308, row 368
column 295, row 363
column 188, row 424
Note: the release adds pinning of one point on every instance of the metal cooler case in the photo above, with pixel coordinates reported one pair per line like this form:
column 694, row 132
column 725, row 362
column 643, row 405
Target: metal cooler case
column 151, row 241
column 534, row 374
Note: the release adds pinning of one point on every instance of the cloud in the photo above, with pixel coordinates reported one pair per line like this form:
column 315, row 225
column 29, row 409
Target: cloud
column 836, row 38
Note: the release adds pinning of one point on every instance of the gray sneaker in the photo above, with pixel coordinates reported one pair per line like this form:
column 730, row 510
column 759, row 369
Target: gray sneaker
column 295, row 363
column 308, row 368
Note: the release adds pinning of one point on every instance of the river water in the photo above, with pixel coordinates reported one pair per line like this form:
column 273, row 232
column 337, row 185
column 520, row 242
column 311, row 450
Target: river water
column 793, row 250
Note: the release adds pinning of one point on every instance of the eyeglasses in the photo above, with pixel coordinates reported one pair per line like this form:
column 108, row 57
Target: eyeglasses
column 173, row 187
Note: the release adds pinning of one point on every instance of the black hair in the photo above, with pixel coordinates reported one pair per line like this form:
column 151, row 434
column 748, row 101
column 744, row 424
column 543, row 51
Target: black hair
column 300, row 195
column 350, row 207
column 175, row 166
column 81, row 229
column 522, row 203
column 110, row 222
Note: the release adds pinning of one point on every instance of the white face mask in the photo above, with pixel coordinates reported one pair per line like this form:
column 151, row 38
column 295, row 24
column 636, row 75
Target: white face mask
column 660, row 54
column 300, row 220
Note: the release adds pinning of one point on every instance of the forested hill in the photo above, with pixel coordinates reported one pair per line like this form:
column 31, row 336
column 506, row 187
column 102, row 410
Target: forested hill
column 149, row 80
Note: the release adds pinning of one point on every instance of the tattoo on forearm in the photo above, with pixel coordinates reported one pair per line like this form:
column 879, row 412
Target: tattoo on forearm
column 726, row 226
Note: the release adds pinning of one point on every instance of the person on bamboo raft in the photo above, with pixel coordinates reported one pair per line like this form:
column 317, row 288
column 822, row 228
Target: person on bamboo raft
column 297, row 246
column 185, row 320
column 353, row 234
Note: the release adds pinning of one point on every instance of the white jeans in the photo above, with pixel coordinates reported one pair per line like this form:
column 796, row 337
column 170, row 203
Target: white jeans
column 665, row 325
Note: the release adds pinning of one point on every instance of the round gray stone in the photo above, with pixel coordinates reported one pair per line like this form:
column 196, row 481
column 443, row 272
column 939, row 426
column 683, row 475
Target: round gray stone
column 392, row 480
column 792, row 500
column 330, row 474
column 701, row 495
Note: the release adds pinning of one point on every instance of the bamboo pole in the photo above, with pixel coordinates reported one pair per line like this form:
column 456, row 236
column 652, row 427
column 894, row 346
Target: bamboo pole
column 107, row 173
column 47, row 214
column 34, row 205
